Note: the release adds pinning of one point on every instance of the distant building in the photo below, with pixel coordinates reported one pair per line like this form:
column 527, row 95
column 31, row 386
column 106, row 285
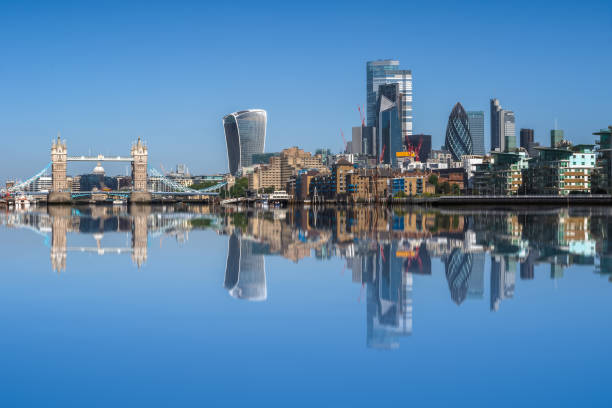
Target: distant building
column 458, row 139
column 421, row 144
column 509, row 123
column 383, row 72
column 503, row 128
column 556, row 136
column 476, row 122
column 526, row 136
column 364, row 140
column 245, row 135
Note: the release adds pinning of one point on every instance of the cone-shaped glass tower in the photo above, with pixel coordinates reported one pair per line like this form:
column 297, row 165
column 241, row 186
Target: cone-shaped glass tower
column 458, row 139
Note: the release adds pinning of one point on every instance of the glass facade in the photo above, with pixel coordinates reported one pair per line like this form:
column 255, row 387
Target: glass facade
column 385, row 72
column 245, row 135
column 390, row 140
column 476, row 122
column 458, row 139
column 509, row 131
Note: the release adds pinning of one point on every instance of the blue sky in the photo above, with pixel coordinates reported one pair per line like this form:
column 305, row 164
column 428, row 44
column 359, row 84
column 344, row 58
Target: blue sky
column 105, row 73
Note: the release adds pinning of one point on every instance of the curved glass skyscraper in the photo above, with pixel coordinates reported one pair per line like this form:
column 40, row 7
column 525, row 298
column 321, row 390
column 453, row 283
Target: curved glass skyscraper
column 458, row 139
column 245, row 135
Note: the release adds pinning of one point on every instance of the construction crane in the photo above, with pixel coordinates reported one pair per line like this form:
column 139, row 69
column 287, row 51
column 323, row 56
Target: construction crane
column 382, row 153
column 361, row 116
column 344, row 141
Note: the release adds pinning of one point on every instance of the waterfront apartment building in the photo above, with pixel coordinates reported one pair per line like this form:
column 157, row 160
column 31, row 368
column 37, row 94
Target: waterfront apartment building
column 502, row 174
column 282, row 168
column 603, row 176
column 412, row 184
column 458, row 140
column 245, row 135
column 383, row 72
column 476, row 122
column 560, row 171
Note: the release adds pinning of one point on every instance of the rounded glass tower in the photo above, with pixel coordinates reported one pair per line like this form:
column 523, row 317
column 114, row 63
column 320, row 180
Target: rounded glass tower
column 458, row 139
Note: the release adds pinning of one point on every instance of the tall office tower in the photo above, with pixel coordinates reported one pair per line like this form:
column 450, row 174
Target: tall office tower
column 476, row 121
column 526, row 137
column 556, row 136
column 503, row 128
column 384, row 72
column 245, row 135
column 509, row 130
column 458, row 139
column 497, row 140
column 364, row 140
column 422, row 145
column 388, row 124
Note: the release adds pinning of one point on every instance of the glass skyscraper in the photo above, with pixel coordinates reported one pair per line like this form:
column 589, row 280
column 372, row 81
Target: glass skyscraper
column 458, row 139
column 384, row 72
column 476, row 122
column 509, row 130
column 389, row 128
column 245, row 135
column 503, row 128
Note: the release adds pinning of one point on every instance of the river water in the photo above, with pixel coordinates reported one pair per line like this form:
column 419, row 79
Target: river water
column 195, row 306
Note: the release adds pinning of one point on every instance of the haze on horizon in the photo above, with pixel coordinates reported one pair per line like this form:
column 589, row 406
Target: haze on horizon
column 104, row 74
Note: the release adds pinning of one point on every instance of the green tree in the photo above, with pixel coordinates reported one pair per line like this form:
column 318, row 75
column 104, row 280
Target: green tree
column 269, row 190
column 239, row 188
column 443, row 188
column 455, row 189
column 433, row 180
column 400, row 194
column 204, row 184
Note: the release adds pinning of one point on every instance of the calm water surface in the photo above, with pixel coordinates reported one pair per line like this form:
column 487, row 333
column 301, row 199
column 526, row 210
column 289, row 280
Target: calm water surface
column 187, row 306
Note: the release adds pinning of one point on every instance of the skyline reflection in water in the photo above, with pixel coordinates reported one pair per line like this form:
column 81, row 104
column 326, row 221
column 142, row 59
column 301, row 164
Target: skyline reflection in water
column 191, row 305
column 382, row 248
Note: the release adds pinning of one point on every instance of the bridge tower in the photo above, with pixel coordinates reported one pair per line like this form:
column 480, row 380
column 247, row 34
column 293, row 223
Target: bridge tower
column 59, row 186
column 140, row 157
column 58, row 169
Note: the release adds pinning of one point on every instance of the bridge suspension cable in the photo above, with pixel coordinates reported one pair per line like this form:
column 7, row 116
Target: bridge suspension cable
column 24, row 184
column 179, row 187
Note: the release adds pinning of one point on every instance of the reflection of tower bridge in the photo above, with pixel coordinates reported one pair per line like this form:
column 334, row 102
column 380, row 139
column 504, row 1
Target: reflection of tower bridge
column 55, row 226
column 140, row 192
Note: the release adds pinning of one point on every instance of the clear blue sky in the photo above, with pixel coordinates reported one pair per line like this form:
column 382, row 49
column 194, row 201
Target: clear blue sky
column 104, row 73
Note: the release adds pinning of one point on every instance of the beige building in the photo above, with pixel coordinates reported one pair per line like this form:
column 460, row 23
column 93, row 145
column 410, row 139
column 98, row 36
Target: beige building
column 281, row 168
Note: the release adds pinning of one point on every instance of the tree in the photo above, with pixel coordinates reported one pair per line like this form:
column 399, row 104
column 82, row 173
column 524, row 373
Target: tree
column 400, row 194
column 444, row 188
column 269, row 190
column 239, row 188
column 455, row 189
column 433, row 180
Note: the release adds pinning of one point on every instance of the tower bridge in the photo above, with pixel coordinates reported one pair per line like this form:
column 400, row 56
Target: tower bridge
column 60, row 191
